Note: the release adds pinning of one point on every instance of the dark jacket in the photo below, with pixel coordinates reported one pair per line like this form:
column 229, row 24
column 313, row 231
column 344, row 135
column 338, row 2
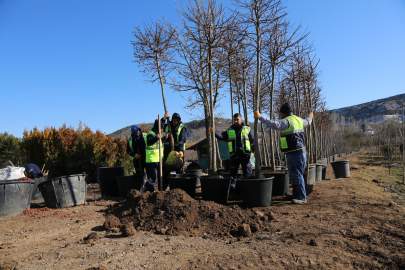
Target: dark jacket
column 239, row 153
column 138, row 144
column 33, row 169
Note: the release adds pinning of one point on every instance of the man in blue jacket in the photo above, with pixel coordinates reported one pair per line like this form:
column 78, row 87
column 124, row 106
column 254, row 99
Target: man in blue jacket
column 292, row 142
column 32, row 171
column 241, row 144
column 136, row 149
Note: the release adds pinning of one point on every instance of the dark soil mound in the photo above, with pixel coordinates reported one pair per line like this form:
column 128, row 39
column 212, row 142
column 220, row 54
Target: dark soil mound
column 176, row 213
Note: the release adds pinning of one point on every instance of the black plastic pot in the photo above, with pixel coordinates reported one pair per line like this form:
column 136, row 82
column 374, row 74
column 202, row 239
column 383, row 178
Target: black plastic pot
column 197, row 172
column 36, row 193
column 256, row 192
column 280, row 183
column 106, row 178
column 128, row 182
column 64, row 191
column 309, row 181
column 184, row 181
column 341, row 168
column 215, row 189
column 281, row 168
column 15, row 197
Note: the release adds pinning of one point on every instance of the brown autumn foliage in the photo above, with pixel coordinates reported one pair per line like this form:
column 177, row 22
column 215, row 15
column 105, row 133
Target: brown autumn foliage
column 68, row 151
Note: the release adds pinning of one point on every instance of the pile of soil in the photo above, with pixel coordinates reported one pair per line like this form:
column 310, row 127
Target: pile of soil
column 174, row 212
column 23, row 179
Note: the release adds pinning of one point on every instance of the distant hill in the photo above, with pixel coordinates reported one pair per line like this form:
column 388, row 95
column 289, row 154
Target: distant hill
column 373, row 110
column 195, row 128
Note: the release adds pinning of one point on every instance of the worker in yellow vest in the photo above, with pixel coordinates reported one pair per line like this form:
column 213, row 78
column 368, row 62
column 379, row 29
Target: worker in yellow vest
column 152, row 155
column 293, row 145
column 241, row 144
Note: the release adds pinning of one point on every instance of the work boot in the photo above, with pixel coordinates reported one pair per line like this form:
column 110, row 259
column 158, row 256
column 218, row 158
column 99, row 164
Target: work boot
column 298, row 201
column 148, row 187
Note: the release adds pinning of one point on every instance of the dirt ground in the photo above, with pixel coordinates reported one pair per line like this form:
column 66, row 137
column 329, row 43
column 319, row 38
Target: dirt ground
column 351, row 223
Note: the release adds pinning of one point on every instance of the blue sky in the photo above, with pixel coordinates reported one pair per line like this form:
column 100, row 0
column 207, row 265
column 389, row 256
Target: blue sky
column 65, row 61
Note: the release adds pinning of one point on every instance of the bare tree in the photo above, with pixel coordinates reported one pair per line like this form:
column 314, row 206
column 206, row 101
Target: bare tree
column 260, row 16
column 153, row 51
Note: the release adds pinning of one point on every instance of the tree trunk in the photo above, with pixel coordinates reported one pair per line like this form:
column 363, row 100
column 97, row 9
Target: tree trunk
column 257, row 103
column 230, row 84
column 164, row 102
column 213, row 145
column 273, row 162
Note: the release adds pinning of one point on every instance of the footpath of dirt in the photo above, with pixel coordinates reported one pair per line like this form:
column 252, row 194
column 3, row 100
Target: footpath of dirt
column 351, row 223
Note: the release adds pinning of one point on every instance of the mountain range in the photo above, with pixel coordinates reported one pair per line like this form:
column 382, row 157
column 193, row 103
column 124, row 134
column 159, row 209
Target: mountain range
column 373, row 111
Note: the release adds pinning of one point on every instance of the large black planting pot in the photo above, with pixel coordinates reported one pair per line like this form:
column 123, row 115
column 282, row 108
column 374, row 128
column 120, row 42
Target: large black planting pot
column 309, row 181
column 215, row 189
column 184, row 181
column 36, row 193
column 280, row 183
column 256, row 192
column 127, row 182
column 15, row 197
column 106, row 178
column 341, row 168
column 197, row 172
column 64, row 191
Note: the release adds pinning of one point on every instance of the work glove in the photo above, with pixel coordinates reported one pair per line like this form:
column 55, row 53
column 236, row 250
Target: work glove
column 256, row 115
column 137, row 156
column 180, row 154
column 211, row 129
column 311, row 114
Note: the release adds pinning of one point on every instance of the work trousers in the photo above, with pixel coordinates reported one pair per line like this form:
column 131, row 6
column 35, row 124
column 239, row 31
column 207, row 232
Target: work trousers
column 152, row 170
column 296, row 168
column 246, row 169
column 140, row 167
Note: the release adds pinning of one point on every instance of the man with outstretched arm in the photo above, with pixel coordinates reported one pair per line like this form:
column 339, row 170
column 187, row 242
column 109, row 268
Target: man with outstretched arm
column 241, row 144
column 293, row 145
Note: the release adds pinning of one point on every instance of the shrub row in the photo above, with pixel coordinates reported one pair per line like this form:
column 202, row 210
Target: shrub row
column 67, row 151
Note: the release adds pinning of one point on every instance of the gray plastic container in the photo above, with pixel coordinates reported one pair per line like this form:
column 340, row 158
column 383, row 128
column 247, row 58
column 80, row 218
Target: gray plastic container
column 36, row 193
column 318, row 174
column 15, row 197
column 64, row 191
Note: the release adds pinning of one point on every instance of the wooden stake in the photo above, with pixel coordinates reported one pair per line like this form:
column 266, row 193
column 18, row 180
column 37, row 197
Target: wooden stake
column 160, row 158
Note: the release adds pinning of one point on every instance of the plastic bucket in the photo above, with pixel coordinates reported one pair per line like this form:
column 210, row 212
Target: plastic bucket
column 36, row 193
column 106, row 178
column 256, row 192
column 15, row 197
column 64, row 191
column 318, row 172
column 215, row 189
column 184, row 181
column 341, row 168
column 309, row 181
column 128, row 182
column 197, row 172
column 280, row 183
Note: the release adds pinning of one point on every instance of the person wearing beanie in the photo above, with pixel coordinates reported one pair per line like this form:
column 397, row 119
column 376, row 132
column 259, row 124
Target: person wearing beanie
column 241, row 144
column 136, row 149
column 180, row 136
column 293, row 145
column 152, row 154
